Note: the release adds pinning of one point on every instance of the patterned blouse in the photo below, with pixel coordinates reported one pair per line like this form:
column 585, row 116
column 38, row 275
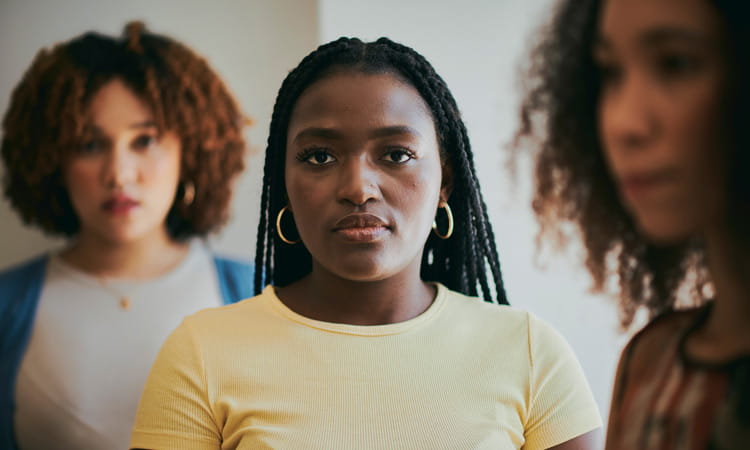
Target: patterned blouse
column 664, row 399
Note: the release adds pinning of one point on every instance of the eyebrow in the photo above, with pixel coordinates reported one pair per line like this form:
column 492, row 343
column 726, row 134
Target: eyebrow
column 330, row 133
column 395, row 130
column 659, row 36
column 134, row 126
column 320, row 132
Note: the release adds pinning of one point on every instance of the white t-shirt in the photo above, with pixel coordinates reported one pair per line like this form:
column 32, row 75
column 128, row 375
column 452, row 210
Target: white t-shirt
column 87, row 361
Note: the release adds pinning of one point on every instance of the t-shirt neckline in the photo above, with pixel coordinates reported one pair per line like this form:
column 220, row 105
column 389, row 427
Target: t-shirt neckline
column 359, row 330
column 196, row 249
column 691, row 361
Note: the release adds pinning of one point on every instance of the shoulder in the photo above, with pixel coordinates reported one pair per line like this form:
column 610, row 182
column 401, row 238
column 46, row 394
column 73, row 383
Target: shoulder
column 661, row 333
column 658, row 340
column 235, row 278
column 233, row 266
column 24, row 273
column 23, row 268
column 479, row 309
column 459, row 303
column 20, row 286
column 219, row 333
column 521, row 333
column 515, row 328
column 243, row 316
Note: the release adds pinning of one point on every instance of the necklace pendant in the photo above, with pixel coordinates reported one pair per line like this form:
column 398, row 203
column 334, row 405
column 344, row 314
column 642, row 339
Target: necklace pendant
column 124, row 303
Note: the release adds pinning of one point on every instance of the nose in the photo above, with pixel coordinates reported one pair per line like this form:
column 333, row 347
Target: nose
column 120, row 167
column 626, row 112
column 358, row 182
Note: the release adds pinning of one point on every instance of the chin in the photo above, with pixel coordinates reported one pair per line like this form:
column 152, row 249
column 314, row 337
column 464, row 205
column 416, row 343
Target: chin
column 126, row 235
column 359, row 269
column 358, row 274
column 665, row 233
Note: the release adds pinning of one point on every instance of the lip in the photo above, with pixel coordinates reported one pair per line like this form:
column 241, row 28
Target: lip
column 119, row 204
column 361, row 227
column 638, row 184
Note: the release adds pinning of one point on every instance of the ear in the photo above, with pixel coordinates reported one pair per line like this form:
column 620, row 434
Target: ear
column 446, row 187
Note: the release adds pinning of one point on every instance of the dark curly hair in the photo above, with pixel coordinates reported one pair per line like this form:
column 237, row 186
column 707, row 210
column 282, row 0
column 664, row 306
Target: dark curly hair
column 573, row 185
column 46, row 117
column 465, row 261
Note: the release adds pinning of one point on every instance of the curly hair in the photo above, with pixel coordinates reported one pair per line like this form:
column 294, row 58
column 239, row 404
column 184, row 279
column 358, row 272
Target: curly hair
column 559, row 120
column 46, row 118
column 462, row 263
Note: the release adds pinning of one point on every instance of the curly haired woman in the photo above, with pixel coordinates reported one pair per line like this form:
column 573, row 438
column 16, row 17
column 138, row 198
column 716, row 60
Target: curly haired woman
column 128, row 147
column 645, row 148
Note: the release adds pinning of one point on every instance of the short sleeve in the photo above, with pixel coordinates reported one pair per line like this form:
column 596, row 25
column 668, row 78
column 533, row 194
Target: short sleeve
column 174, row 411
column 561, row 405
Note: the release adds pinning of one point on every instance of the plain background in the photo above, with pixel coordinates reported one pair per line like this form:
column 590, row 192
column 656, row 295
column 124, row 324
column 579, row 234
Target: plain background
column 477, row 46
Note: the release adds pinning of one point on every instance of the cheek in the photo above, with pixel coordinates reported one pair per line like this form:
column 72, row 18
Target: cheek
column 419, row 193
column 701, row 149
column 605, row 131
column 81, row 178
column 307, row 197
column 163, row 168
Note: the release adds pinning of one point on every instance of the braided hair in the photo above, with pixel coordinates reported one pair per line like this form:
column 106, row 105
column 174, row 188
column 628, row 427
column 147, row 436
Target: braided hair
column 460, row 263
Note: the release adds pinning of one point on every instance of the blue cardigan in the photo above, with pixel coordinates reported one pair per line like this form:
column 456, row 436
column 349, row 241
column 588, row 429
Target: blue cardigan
column 20, row 287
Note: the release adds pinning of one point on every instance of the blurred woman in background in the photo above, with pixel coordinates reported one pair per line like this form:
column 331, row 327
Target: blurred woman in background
column 641, row 108
column 128, row 147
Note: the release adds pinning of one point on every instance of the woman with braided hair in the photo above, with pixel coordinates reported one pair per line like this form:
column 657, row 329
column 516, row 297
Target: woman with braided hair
column 127, row 146
column 375, row 239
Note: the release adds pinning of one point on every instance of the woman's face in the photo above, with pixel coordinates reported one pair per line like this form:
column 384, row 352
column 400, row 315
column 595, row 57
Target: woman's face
column 661, row 112
column 123, row 178
column 363, row 174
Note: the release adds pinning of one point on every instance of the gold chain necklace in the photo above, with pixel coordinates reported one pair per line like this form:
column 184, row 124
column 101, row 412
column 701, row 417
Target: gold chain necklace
column 124, row 300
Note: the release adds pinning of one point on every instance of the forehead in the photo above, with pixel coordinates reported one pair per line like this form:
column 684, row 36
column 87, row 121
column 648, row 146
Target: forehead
column 353, row 100
column 628, row 19
column 115, row 106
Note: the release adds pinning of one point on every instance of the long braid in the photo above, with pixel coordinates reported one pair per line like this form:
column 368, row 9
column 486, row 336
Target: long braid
column 480, row 233
column 460, row 262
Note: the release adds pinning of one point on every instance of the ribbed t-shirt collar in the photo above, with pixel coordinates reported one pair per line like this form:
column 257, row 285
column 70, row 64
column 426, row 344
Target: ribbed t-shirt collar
column 270, row 297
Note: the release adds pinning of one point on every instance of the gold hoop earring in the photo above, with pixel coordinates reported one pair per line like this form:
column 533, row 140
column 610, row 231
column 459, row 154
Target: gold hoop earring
column 188, row 193
column 449, row 213
column 278, row 227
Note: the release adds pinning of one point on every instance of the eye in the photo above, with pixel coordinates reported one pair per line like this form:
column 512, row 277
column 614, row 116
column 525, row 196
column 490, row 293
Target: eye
column 609, row 72
column 144, row 141
column 398, row 156
column 676, row 64
column 91, row 146
column 316, row 156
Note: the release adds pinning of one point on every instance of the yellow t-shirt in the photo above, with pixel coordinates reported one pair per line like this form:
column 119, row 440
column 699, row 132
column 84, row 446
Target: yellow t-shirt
column 464, row 374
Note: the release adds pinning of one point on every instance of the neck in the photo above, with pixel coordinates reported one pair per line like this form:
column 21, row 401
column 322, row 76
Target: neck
column 325, row 296
column 729, row 266
column 144, row 258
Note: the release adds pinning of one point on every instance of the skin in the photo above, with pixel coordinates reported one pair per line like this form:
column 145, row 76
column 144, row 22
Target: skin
column 362, row 144
column 122, row 182
column 366, row 144
column 661, row 113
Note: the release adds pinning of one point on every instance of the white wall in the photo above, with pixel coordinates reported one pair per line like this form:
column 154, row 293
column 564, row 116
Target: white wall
column 251, row 43
column 477, row 46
